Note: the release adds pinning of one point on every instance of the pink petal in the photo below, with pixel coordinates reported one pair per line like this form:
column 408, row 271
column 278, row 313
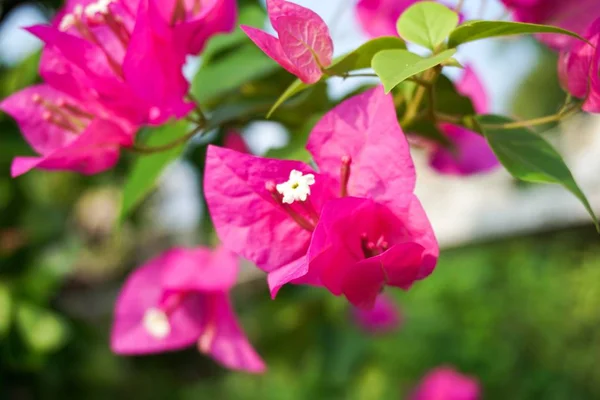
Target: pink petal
column 247, row 219
column 286, row 274
column 304, row 38
column 142, row 291
column 378, row 17
column 42, row 136
column 384, row 317
column 446, row 383
column 365, row 127
column 592, row 101
column 151, row 55
column 199, row 269
column 225, row 341
column 470, row 86
column 234, row 141
column 471, row 153
column 215, row 16
column 271, row 46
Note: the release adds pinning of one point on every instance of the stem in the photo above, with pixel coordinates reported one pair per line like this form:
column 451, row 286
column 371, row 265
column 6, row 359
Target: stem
column 412, row 108
column 529, row 122
column 137, row 148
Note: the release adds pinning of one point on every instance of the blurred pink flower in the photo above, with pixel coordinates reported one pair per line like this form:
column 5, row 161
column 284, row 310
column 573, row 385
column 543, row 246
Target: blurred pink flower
column 123, row 58
column 233, row 140
column 287, row 219
column 575, row 16
column 384, row 317
column 193, row 22
column 179, row 299
column 444, row 383
column 579, row 69
column 471, row 153
column 303, row 47
column 67, row 134
column 379, row 17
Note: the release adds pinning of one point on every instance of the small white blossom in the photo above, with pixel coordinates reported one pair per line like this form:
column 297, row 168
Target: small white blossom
column 156, row 323
column 99, row 7
column 66, row 22
column 297, row 188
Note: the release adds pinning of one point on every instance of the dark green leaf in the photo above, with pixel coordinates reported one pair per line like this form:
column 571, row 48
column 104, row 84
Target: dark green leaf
column 358, row 59
column 527, row 156
column 148, row 168
column 5, row 309
column 449, row 101
column 427, row 24
column 230, row 72
column 476, row 30
column 428, row 130
column 395, row 66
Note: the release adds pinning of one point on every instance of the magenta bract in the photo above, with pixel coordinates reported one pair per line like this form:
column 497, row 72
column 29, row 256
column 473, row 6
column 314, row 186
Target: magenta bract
column 303, row 47
column 444, row 383
column 302, row 226
column 180, row 299
column 384, row 317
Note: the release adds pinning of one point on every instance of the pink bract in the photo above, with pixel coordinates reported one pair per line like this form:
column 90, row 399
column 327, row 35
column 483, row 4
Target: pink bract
column 471, row 153
column 193, row 22
column 110, row 63
column 445, row 383
column 314, row 240
column 378, row 17
column 384, row 317
column 303, row 47
column 65, row 134
column 579, row 69
column 181, row 298
column 575, row 16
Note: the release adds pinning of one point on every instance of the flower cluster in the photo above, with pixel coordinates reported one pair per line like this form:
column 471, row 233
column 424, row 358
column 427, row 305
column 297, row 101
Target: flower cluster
column 110, row 67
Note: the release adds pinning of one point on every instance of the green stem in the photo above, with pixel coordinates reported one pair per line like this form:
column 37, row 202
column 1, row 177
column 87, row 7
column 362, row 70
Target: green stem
column 139, row 148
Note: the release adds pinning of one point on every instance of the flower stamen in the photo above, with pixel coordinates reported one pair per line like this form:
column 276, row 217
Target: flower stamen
column 345, row 175
column 297, row 187
column 271, row 187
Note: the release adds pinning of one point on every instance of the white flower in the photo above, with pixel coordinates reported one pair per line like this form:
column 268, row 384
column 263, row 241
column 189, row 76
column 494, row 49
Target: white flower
column 66, row 22
column 156, row 323
column 99, row 7
column 297, row 188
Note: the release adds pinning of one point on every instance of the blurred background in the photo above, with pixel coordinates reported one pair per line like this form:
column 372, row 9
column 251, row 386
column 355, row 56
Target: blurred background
column 513, row 301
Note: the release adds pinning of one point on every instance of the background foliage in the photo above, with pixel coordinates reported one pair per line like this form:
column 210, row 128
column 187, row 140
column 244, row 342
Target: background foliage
column 520, row 314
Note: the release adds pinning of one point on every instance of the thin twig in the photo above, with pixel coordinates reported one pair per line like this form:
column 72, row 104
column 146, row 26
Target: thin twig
column 139, row 148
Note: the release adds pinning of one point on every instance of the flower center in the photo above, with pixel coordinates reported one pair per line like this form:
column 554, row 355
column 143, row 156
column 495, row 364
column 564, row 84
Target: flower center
column 373, row 248
column 63, row 114
column 156, row 319
column 297, row 187
column 99, row 13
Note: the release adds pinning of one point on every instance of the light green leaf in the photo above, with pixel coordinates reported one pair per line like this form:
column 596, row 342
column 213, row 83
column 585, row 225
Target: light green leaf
column 527, row 156
column 395, row 66
column 230, row 72
column 355, row 60
column 42, row 330
column 147, row 168
column 476, row 30
column 5, row 309
column 427, row 24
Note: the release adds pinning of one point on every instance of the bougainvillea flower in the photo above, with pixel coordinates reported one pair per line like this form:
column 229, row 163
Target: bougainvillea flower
column 575, row 16
column 444, row 383
column 303, row 47
column 579, row 69
column 193, row 22
column 234, row 141
column 65, row 133
column 384, row 317
column 300, row 226
column 179, row 299
column 126, row 62
column 470, row 153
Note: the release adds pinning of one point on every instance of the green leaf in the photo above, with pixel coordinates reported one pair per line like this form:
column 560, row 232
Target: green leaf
column 42, row 330
column 395, row 66
column 449, row 101
column 147, row 168
column 429, row 130
column 427, row 23
column 5, row 309
column 527, row 156
column 360, row 58
column 230, row 72
column 252, row 15
column 476, row 30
